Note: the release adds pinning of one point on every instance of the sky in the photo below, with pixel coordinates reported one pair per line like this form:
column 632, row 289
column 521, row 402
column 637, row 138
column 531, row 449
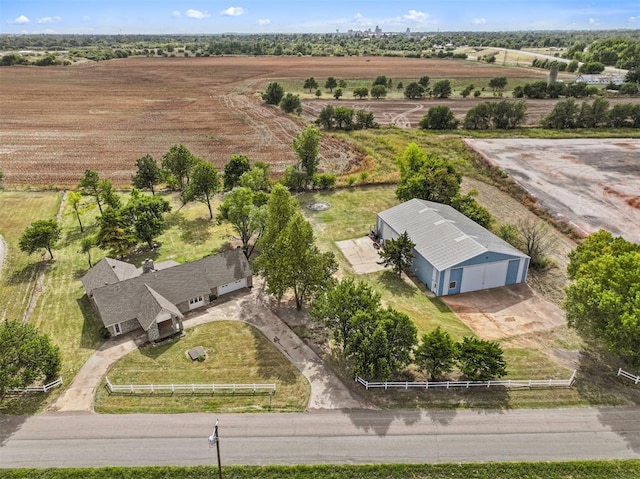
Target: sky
column 305, row 16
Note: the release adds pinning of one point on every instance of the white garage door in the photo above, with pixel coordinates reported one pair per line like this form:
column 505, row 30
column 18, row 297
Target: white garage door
column 228, row 288
column 484, row 276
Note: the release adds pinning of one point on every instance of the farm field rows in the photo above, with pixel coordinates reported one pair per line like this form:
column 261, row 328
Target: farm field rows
column 59, row 121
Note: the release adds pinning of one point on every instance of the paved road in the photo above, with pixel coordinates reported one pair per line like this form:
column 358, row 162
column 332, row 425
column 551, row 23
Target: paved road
column 84, row 439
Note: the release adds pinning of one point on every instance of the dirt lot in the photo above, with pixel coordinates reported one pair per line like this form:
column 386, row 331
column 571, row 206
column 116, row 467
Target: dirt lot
column 59, row 121
column 593, row 184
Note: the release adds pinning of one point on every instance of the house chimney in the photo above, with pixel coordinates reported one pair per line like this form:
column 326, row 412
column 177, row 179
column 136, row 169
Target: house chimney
column 147, row 266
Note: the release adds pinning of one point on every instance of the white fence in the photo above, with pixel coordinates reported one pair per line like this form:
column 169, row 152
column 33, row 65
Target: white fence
column 39, row 389
column 192, row 388
column 509, row 383
column 624, row 374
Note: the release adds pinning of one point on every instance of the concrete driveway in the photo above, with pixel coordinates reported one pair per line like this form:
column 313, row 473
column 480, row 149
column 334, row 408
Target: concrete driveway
column 507, row 311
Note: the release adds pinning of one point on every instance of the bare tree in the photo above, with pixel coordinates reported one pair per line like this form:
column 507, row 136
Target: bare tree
column 537, row 241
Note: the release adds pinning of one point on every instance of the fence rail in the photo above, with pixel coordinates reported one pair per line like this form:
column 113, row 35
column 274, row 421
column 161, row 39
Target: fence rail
column 38, row 389
column 193, row 388
column 509, row 383
column 624, row 374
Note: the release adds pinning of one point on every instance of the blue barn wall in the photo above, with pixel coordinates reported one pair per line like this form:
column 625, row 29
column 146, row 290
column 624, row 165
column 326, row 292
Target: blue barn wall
column 512, row 271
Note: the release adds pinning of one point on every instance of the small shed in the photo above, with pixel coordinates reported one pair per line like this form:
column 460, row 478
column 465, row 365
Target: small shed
column 452, row 253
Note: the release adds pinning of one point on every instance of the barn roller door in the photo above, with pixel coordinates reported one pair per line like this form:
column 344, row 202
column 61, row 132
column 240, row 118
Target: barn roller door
column 230, row 287
column 484, row 276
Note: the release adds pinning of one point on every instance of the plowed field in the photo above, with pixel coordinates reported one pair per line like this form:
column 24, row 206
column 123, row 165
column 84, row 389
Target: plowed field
column 59, row 121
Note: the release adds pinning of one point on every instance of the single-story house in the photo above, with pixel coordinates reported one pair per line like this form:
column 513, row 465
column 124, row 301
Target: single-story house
column 452, row 253
column 156, row 296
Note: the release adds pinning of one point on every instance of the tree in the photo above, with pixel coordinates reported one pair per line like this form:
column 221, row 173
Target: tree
column 479, row 117
column 146, row 215
column 115, row 232
column 331, row 83
column 436, row 354
column 398, row 253
column 335, row 307
column 310, row 84
column 257, row 180
column 507, row 115
column 295, row 262
column 594, row 115
column 619, row 114
column 318, row 93
column 75, row 197
column 306, row 144
column 439, row 118
column 469, row 206
column 603, row 300
column 178, row 163
column 86, row 245
column 365, row 119
column 343, row 117
column 590, row 68
column 26, row 356
column 380, row 343
column 381, row 80
column 429, row 178
column 273, row 94
column 203, row 186
column 280, row 209
column 424, row 81
column 247, row 219
column 563, row 116
column 291, row 103
column 498, row 83
column 337, row 94
column 378, row 91
column 480, row 360
column 108, row 194
column 41, row 234
column 537, row 240
column 148, row 174
column 361, row 92
column 88, row 186
column 414, row 90
column 233, row 170
column 1, row 178
column 441, row 89
column 342, row 83
column 325, row 117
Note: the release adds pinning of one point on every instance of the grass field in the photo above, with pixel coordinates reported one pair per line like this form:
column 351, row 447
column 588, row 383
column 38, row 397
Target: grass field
column 236, row 353
column 518, row 470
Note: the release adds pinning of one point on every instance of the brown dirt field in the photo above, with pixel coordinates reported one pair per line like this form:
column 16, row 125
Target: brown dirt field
column 408, row 113
column 59, row 121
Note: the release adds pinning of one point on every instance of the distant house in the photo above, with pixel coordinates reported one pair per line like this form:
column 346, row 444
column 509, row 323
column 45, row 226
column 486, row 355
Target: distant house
column 600, row 79
column 453, row 254
column 156, row 296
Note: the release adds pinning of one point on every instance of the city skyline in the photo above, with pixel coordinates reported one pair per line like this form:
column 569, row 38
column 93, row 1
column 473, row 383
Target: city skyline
column 329, row 16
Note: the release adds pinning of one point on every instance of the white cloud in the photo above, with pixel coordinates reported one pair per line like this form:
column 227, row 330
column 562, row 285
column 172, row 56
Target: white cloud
column 357, row 16
column 415, row 15
column 594, row 21
column 234, row 11
column 264, row 21
column 21, row 20
column 49, row 19
column 176, row 13
column 197, row 14
column 479, row 21
column 633, row 19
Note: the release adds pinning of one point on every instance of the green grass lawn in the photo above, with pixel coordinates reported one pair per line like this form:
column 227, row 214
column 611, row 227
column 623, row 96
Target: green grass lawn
column 620, row 469
column 17, row 211
column 236, row 353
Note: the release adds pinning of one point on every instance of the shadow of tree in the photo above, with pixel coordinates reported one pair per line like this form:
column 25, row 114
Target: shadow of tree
column 268, row 368
column 24, row 275
column 195, row 231
column 379, row 422
column 395, row 284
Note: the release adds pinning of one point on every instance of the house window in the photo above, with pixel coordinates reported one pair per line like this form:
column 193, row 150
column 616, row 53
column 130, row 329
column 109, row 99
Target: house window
column 116, row 328
column 453, row 284
column 199, row 299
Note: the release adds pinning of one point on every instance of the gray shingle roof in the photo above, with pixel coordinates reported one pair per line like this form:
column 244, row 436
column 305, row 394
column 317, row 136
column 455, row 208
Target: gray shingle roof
column 108, row 271
column 444, row 236
column 128, row 299
column 151, row 304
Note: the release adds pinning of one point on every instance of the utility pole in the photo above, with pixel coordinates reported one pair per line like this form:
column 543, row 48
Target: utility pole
column 214, row 440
